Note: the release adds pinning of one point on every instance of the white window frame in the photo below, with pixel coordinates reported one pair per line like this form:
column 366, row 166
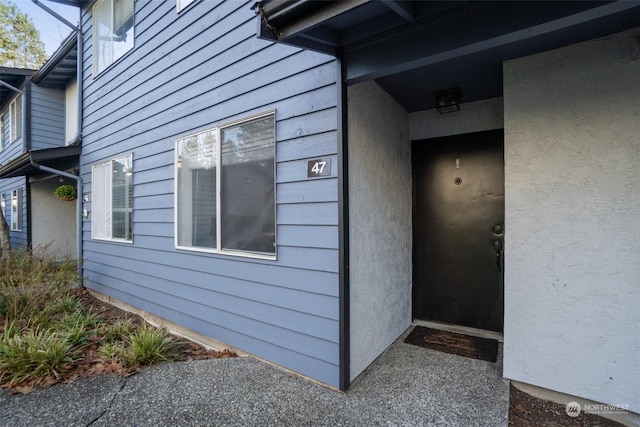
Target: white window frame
column 16, row 209
column 218, row 159
column 104, row 196
column 96, row 46
column 182, row 4
column 15, row 119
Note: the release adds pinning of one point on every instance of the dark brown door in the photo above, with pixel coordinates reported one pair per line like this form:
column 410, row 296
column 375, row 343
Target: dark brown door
column 458, row 233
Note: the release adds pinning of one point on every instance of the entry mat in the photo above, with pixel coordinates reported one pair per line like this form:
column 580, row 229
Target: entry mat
column 450, row 342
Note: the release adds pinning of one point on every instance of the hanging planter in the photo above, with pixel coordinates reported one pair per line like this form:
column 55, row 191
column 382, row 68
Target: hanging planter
column 66, row 192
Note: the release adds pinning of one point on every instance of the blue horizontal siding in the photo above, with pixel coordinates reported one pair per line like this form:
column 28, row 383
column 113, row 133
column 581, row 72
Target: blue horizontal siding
column 191, row 71
column 47, row 118
column 19, row 239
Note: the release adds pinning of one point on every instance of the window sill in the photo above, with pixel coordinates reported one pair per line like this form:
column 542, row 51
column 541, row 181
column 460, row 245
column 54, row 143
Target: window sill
column 104, row 239
column 235, row 254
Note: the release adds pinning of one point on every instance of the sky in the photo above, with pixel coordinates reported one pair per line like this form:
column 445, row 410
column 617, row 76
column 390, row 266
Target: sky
column 52, row 31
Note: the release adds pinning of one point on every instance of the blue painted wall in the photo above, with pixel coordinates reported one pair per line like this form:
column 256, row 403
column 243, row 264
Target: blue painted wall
column 11, row 150
column 47, row 117
column 192, row 71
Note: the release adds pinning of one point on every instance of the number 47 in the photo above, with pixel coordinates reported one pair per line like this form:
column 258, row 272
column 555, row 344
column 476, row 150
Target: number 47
column 318, row 167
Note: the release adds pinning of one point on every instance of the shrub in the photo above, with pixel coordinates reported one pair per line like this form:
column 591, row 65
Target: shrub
column 32, row 355
column 117, row 331
column 112, row 351
column 148, row 345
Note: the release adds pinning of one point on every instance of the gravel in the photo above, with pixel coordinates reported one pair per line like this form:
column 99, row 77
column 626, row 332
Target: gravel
column 406, row 386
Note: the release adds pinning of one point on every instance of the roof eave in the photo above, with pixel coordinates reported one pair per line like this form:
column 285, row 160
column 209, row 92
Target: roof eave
column 67, row 46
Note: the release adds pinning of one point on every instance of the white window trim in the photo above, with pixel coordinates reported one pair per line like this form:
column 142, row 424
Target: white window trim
column 94, row 35
column 183, row 4
column 15, row 126
column 219, row 250
column 110, row 189
column 17, row 194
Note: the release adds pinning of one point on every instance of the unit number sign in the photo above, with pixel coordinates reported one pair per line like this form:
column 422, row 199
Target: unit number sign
column 319, row 167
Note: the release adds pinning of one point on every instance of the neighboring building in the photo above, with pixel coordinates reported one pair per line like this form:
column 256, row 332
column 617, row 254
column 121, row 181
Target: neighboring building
column 40, row 133
column 300, row 198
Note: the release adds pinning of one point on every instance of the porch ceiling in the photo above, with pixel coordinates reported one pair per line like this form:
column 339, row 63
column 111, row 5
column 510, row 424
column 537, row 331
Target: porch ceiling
column 414, row 48
column 60, row 68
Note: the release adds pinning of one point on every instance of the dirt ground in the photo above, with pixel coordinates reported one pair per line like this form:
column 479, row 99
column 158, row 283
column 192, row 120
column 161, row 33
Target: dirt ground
column 528, row 411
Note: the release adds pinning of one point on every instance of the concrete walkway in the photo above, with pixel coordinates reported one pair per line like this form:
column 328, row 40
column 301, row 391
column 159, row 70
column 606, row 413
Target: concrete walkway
column 406, row 386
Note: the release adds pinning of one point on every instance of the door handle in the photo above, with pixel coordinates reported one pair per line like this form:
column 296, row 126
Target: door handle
column 497, row 245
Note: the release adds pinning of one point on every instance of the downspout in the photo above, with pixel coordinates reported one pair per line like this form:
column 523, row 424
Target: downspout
column 78, row 137
column 343, row 229
column 78, row 179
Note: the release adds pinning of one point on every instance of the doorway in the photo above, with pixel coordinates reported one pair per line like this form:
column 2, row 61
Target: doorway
column 458, row 230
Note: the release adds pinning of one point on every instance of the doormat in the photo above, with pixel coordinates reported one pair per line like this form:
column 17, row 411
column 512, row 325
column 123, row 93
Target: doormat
column 450, row 342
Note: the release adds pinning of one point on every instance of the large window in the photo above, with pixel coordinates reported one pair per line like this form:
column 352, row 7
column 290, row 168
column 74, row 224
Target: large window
column 112, row 32
column 15, row 118
column 225, row 189
column 112, row 194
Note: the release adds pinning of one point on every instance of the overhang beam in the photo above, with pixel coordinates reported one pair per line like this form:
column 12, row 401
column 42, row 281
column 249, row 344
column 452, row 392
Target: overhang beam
column 425, row 45
column 318, row 18
column 403, row 9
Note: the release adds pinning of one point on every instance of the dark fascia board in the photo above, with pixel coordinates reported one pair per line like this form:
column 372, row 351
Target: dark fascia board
column 67, row 46
column 16, row 71
column 23, row 164
column 80, row 3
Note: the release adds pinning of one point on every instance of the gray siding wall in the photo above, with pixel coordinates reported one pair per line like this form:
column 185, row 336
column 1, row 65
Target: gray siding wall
column 47, row 117
column 189, row 72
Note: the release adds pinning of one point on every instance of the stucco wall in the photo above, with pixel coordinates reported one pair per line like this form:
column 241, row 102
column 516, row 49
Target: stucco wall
column 53, row 225
column 572, row 249
column 380, row 222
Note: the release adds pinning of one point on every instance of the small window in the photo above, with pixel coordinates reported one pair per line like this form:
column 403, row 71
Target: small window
column 112, row 32
column 225, row 188
column 15, row 118
column 181, row 4
column 112, row 194
column 16, row 209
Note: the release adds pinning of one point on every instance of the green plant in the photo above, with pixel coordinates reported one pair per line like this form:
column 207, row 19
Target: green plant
column 66, row 192
column 32, row 355
column 64, row 305
column 148, row 345
column 28, row 285
column 111, row 351
column 77, row 327
column 117, row 331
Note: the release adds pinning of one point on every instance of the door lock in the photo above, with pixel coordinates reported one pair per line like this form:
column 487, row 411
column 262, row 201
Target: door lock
column 497, row 245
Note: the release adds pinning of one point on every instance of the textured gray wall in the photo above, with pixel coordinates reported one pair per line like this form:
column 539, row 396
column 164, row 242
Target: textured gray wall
column 53, row 224
column 572, row 275
column 380, row 222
